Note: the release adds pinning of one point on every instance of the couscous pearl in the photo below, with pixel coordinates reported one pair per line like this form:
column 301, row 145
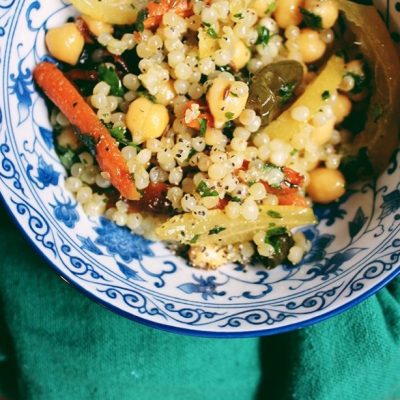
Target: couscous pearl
column 198, row 143
column 102, row 88
column 347, row 83
column 206, row 66
column 93, row 209
column 216, row 171
column 174, row 195
column 102, row 183
column 295, row 254
column 181, row 86
column 84, row 194
column 209, row 15
column 247, row 116
column 238, row 144
column 327, row 36
column 131, row 82
column 241, row 133
column 249, row 209
column 261, row 139
column 257, row 191
column 119, row 218
column 175, row 175
column 142, row 178
column 143, row 156
column 77, row 169
column 265, row 250
column 134, row 220
column 264, row 152
column 188, row 202
column 73, row 184
column 319, row 119
column 210, row 202
column 300, row 113
column 222, row 57
column 183, row 71
column 129, row 153
column 254, row 126
column 332, row 161
column 232, row 210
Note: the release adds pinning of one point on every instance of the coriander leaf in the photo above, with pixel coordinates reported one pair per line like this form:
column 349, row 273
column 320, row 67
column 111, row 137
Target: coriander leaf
column 203, row 127
column 194, row 239
column 286, row 92
column 216, row 230
column 211, row 32
column 271, row 8
column 312, row 20
column 272, row 237
column 294, row 152
column 205, row 191
column 239, row 16
column 229, row 115
column 109, row 75
column 141, row 17
column 235, row 199
column 192, row 152
column 276, row 231
column 325, row 95
column 67, row 157
column 264, row 35
column 273, row 214
column 119, row 134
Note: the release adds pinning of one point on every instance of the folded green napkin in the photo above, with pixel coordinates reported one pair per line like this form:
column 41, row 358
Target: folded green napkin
column 57, row 344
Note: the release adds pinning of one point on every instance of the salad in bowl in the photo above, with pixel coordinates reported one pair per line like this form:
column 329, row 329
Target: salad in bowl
column 213, row 167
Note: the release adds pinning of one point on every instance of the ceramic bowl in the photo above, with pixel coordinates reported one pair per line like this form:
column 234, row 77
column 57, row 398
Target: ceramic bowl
column 356, row 245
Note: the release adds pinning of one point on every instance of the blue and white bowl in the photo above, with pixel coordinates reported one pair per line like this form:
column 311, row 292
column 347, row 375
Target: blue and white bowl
column 356, row 245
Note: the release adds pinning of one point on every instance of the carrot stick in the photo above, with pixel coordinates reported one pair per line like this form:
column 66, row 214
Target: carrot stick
column 66, row 97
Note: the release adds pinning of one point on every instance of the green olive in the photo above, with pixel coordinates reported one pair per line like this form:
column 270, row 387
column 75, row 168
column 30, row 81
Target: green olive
column 273, row 87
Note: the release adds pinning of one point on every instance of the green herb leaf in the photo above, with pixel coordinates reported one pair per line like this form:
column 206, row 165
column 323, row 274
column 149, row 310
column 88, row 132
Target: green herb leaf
column 228, row 129
column 205, row 191
column 203, row 127
column 89, row 142
column 211, row 32
column 264, row 36
column 278, row 230
column 143, row 92
column 286, row 92
column 294, row 152
column 119, row 134
column 271, row 8
column 109, row 75
column 192, row 152
column 194, row 239
column 216, row 230
column 141, row 17
column 67, row 157
column 239, row 16
column 229, row 115
column 312, row 20
column 325, row 95
column 272, row 237
column 235, row 199
column 273, row 214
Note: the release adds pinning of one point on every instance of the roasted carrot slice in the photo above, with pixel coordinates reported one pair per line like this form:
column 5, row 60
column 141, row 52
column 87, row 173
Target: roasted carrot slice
column 67, row 98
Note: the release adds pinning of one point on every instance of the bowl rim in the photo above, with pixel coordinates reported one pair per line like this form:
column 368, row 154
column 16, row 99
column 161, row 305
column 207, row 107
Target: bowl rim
column 193, row 332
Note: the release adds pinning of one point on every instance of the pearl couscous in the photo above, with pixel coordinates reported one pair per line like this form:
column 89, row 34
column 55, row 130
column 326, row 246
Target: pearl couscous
column 225, row 120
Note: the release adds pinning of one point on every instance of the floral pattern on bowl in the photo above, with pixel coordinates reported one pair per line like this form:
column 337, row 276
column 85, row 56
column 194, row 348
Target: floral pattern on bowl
column 356, row 245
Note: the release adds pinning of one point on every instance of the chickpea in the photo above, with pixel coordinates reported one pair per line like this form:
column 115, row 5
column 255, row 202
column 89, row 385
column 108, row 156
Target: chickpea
column 311, row 46
column 241, row 55
column 68, row 139
column 288, row 13
column 341, row 108
column 325, row 185
column 322, row 134
column 65, row 43
column 97, row 27
column 326, row 9
column 226, row 99
column 146, row 119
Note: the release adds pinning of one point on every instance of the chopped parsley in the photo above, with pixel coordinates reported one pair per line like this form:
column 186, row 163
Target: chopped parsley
column 119, row 134
column 239, row 16
column 66, row 156
column 271, row 8
column 203, row 127
column 272, row 237
column 109, row 75
column 216, row 230
column 205, row 191
column 192, row 152
column 235, row 199
column 194, row 239
column 229, row 115
column 273, row 214
column 325, row 95
column 294, row 152
column 286, row 92
column 264, row 35
column 141, row 17
column 312, row 20
column 211, row 31
column 143, row 92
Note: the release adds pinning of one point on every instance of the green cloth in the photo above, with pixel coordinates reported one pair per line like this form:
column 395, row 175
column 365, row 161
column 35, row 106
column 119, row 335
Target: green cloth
column 56, row 344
